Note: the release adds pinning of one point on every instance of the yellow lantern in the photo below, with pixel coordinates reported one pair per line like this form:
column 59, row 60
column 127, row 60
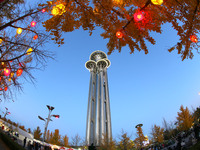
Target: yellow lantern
column 58, row 9
column 19, row 30
column 118, row 2
column 1, row 41
column 157, row 2
column 29, row 51
column 12, row 74
column 9, row 79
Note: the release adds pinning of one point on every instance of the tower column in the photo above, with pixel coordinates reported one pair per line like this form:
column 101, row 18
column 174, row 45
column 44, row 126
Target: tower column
column 98, row 114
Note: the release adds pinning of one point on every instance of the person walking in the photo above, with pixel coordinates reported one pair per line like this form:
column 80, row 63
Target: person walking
column 24, row 142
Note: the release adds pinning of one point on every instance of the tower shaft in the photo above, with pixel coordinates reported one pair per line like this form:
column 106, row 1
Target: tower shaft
column 98, row 115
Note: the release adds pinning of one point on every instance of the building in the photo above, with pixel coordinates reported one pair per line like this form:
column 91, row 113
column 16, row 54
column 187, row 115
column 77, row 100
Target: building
column 98, row 127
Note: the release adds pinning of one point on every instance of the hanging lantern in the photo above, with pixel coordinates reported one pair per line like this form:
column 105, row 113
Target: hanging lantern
column 43, row 10
column 9, row 79
column 6, row 72
column 29, row 51
column 19, row 30
column 138, row 16
column 118, row 2
column 11, row 74
column 19, row 72
column 35, row 37
column 1, row 89
column 193, row 38
column 119, row 34
column 33, row 23
column 157, row 2
column 6, row 88
column 58, row 10
column 1, row 41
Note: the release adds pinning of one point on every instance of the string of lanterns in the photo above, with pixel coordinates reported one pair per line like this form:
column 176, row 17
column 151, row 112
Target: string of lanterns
column 139, row 16
column 6, row 69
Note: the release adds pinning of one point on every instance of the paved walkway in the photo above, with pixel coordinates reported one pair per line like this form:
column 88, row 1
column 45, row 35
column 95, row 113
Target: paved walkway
column 3, row 146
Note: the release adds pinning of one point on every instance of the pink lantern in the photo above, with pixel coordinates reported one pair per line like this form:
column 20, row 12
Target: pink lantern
column 33, row 23
column 138, row 16
column 6, row 72
column 43, row 10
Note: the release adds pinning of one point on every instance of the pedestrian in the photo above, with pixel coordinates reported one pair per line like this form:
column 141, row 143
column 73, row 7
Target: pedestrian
column 24, row 142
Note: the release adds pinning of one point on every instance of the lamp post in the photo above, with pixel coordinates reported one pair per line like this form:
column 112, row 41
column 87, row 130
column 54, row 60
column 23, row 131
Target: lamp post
column 51, row 108
column 6, row 113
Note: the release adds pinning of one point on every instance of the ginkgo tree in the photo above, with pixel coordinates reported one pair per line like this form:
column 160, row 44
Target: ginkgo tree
column 184, row 119
column 127, row 22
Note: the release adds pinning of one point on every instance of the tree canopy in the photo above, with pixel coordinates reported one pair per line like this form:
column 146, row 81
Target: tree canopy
column 127, row 22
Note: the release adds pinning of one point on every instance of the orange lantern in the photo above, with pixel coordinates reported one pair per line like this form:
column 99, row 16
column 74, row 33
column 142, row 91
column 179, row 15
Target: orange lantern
column 19, row 72
column 193, row 38
column 6, row 72
column 33, row 23
column 35, row 37
column 157, row 2
column 6, row 88
column 119, row 34
column 138, row 16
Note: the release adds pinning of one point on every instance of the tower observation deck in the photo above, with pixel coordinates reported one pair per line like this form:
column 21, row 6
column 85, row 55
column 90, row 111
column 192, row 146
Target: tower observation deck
column 98, row 127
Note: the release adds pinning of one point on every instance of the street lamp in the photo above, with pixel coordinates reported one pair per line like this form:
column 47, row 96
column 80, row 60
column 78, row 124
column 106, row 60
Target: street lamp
column 138, row 125
column 6, row 113
column 48, row 119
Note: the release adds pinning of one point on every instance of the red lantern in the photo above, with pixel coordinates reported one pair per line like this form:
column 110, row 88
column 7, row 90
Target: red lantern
column 138, row 16
column 33, row 23
column 1, row 89
column 19, row 72
column 6, row 88
column 43, row 10
column 119, row 34
column 193, row 38
column 6, row 72
column 35, row 37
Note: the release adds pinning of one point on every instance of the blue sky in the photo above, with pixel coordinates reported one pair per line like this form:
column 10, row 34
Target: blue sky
column 143, row 88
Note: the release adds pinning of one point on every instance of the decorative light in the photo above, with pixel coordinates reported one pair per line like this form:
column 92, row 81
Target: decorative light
column 19, row 30
column 119, row 34
column 29, row 51
column 33, row 23
column 58, row 10
column 96, row 10
column 19, row 72
column 43, row 10
column 6, row 88
column 35, row 37
column 157, row 2
column 6, row 71
column 9, row 79
column 138, row 16
column 118, row 2
column 11, row 74
column 1, row 41
column 193, row 38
